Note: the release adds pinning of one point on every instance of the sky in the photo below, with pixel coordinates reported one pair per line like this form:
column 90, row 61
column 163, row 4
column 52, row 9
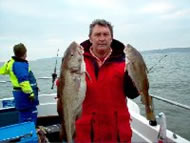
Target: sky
column 45, row 26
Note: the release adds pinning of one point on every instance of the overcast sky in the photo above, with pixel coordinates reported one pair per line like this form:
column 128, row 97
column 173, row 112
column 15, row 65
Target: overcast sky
column 46, row 25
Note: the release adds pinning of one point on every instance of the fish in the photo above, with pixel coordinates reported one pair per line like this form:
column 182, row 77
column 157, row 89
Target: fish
column 137, row 70
column 72, row 88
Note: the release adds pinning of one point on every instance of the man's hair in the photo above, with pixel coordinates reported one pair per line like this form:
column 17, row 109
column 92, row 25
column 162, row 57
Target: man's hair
column 19, row 50
column 100, row 22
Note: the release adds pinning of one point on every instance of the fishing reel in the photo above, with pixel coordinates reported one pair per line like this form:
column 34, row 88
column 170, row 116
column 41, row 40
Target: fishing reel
column 54, row 76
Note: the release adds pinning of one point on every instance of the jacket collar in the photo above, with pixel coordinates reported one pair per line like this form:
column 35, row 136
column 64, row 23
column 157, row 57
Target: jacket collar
column 19, row 59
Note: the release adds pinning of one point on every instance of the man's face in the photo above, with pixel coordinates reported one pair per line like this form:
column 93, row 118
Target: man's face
column 101, row 38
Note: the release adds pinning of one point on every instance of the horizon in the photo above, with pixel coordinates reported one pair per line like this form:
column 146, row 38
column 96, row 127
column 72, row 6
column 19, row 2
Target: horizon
column 151, row 50
column 44, row 26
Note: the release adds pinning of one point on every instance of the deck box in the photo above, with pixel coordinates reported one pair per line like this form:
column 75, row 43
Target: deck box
column 21, row 133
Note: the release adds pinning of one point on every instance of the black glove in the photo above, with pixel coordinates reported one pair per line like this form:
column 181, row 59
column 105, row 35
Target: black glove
column 32, row 96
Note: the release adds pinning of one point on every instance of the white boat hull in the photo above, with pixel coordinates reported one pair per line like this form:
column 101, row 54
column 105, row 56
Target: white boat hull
column 142, row 131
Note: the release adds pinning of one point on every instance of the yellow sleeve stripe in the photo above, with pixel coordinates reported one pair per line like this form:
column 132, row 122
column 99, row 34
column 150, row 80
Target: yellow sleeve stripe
column 26, row 88
column 3, row 69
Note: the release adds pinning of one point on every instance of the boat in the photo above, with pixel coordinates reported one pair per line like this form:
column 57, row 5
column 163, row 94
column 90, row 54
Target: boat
column 48, row 119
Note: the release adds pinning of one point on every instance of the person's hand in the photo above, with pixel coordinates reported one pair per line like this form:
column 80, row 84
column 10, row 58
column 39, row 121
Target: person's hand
column 32, row 97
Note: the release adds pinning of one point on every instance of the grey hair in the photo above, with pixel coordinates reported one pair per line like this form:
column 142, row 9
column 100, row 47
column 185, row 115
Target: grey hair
column 100, row 22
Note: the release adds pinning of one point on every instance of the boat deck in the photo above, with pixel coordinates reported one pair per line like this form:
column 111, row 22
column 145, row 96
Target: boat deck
column 48, row 118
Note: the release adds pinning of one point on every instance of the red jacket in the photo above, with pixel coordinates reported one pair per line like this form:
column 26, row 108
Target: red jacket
column 105, row 116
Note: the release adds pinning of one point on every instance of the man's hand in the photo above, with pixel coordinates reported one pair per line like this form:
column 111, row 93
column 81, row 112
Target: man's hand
column 32, row 97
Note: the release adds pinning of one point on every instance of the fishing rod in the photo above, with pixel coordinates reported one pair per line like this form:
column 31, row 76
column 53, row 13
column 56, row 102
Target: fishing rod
column 54, row 75
column 157, row 63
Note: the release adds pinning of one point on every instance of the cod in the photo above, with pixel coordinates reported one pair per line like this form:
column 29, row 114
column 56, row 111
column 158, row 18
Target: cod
column 72, row 89
column 137, row 71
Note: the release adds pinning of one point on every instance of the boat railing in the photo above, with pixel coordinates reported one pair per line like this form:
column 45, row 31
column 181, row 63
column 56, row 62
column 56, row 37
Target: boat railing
column 171, row 102
column 43, row 77
column 154, row 96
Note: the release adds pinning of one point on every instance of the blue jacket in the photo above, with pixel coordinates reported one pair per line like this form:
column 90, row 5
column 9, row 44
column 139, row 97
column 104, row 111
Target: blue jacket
column 23, row 81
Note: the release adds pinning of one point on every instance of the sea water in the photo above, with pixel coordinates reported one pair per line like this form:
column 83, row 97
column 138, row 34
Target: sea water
column 169, row 78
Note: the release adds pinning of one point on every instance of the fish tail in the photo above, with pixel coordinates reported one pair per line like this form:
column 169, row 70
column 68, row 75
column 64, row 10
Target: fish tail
column 150, row 110
column 149, row 107
column 68, row 124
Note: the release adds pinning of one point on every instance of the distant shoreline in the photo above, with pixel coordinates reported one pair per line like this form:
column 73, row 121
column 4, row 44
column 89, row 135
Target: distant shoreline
column 167, row 50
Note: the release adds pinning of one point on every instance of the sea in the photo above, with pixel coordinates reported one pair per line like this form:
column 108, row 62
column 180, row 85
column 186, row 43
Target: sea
column 169, row 78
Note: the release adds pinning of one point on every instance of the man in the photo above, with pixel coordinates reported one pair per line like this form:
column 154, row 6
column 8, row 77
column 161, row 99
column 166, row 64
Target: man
column 25, row 90
column 105, row 116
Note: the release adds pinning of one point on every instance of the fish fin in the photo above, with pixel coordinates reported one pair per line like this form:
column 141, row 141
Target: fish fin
column 128, row 45
column 60, row 86
column 146, row 69
column 88, row 75
column 150, row 116
column 79, row 114
column 125, row 69
column 149, row 107
column 142, row 100
column 150, row 110
column 124, row 50
column 77, row 82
